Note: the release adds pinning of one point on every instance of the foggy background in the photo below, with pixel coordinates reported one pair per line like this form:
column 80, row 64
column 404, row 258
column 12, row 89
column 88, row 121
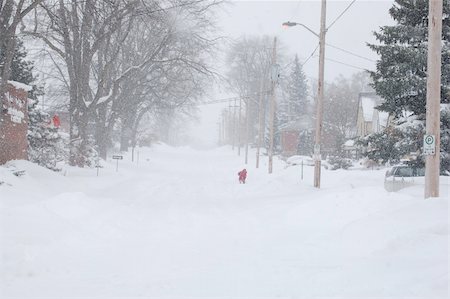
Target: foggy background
column 351, row 32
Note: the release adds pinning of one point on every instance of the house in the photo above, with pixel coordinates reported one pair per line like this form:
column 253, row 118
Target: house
column 14, row 123
column 290, row 135
column 369, row 119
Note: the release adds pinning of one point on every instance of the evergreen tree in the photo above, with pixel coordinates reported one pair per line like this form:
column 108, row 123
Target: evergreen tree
column 400, row 78
column 21, row 70
column 45, row 145
column 391, row 145
column 306, row 143
column 295, row 104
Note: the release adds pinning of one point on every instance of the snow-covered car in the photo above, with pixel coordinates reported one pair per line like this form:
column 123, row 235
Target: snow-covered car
column 401, row 176
column 297, row 160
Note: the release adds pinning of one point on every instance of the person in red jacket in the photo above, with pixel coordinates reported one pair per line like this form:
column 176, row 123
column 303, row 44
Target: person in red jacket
column 242, row 176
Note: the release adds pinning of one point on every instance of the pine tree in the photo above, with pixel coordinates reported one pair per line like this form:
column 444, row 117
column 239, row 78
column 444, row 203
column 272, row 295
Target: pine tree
column 21, row 70
column 400, row 78
column 306, row 142
column 295, row 104
column 45, row 145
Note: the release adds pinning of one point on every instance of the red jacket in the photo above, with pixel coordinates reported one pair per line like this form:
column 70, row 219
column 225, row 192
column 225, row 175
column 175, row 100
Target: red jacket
column 242, row 174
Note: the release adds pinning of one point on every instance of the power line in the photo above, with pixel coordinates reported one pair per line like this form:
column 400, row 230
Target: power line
column 342, row 13
column 343, row 63
column 294, row 12
column 311, row 55
column 224, row 100
column 349, row 52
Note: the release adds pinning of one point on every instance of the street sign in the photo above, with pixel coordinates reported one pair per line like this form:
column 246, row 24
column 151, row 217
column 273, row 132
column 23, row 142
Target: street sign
column 429, row 145
column 98, row 166
column 117, row 157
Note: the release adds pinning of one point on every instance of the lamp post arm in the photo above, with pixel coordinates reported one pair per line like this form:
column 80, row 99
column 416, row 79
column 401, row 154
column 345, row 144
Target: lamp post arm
column 307, row 28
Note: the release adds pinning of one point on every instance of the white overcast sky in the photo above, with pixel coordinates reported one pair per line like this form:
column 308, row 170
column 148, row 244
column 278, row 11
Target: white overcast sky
column 351, row 32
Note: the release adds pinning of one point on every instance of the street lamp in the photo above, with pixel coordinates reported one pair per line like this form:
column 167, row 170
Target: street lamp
column 292, row 24
column 319, row 111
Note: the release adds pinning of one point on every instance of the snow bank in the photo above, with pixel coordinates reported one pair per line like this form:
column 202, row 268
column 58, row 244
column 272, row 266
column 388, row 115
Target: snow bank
column 178, row 224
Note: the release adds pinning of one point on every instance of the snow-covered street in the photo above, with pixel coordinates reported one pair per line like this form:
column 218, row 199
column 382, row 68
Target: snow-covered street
column 178, row 224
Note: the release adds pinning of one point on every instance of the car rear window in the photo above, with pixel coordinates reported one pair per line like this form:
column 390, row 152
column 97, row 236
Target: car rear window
column 404, row 172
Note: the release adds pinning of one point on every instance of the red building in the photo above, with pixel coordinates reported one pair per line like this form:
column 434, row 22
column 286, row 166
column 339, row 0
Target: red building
column 289, row 142
column 14, row 123
column 290, row 136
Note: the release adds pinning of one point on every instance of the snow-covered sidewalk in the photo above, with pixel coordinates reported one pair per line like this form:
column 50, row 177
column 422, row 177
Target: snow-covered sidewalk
column 179, row 225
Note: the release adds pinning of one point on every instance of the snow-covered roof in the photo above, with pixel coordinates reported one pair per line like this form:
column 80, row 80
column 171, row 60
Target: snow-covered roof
column 301, row 124
column 349, row 143
column 19, row 85
column 368, row 105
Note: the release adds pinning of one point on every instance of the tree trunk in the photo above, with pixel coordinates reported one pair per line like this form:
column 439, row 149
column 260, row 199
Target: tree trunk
column 124, row 139
column 102, row 136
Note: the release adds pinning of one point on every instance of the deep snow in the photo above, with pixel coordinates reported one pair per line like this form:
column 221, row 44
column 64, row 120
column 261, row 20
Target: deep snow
column 178, row 224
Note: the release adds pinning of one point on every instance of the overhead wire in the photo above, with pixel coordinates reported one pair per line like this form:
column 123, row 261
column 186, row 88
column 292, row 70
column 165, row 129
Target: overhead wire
column 224, row 100
column 311, row 55
column 339, row 48
column 339, row 16
column 344, row 63
column 349, row 52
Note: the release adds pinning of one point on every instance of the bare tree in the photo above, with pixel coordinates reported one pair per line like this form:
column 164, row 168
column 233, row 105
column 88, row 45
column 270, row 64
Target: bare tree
column 249, row 60
column 173, row 78
column 77, row 31
column 123, row 56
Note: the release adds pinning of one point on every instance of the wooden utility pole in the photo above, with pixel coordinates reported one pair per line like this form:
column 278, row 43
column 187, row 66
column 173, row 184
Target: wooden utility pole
column 261, row 113
column 433, row 96
column 224, row 128
column 234, row 125
column 239, row 127
column 272, row 103
column 219, row 129
column 227, row 128
column 320, row 87
column 247, row 127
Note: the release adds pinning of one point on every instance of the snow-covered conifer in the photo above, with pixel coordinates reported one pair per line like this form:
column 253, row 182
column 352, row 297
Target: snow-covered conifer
column 295, row 104
column 45, row 145
column 401, row 79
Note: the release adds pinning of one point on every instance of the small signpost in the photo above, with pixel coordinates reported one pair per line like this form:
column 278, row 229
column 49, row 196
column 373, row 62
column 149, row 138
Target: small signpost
column 429, row 145
column 302, row 169
column 98, row 167
column 117, row 157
